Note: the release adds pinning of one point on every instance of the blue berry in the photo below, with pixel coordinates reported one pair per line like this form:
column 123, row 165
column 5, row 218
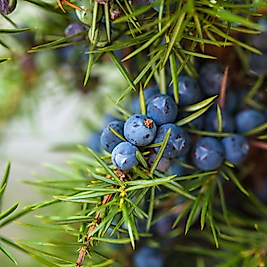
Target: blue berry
column 260, row 40
column 211, row 122
column 74, row 28
column 148, row 257
column 189, row 91
column 248, row 119
column 260, row 188
column 140, row 130
column 178, row 143
column 236, row 148
column 108, row 139
column 164, row 225
column 208, row 154
column 258, row 63
column 124, row 156
column 7, row 7
column 148, row 92
column 162, row 109
column 163, row 164
column 210, row 78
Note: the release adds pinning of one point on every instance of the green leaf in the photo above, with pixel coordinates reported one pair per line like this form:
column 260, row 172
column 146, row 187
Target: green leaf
column 233, row 177
column 150, row 208
column 200, row 105
column 105, row 166
column 192, row 116
column 219, row 119
column 256, row 130
column 141, row 159
column 130, row 224
column 7, row 253
column 138, row 184
column 2, row 60
column 35, row 251
column 90, row 65
column 153, row 39
column 160, row 153
column 117, row 134
column 9, row 211
column 173, row 187
column 212, row 226
column 119, row 107
column 4, row 181
column 4, row 31
column 122, row 70
column 141, row 74
column 223, row 204
column 175, row 81
column 142, row 101
column 192, row 214
column 104, row 264
column 182, row 213
column 176, row 33
column 206, row 202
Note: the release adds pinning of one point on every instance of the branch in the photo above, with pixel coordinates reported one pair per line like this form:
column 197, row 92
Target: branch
column 84, row 249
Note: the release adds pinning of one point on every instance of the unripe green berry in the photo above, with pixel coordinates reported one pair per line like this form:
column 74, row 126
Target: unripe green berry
column 100, row 38
column 86, row 15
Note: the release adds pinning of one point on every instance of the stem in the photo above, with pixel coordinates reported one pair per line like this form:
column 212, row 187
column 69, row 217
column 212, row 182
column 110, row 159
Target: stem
column 83, row 250
column 223, row 88
column 86, row 247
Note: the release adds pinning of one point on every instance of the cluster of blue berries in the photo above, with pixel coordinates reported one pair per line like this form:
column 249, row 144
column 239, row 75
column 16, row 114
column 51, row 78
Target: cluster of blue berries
column 142, row 132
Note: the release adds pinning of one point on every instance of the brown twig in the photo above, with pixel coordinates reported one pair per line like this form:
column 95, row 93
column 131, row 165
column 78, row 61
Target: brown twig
column 258, row 144
column 223, row 88
column 83, row 250
column 86, row 247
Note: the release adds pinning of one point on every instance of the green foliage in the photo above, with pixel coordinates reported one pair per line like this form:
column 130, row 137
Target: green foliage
column 94, row 204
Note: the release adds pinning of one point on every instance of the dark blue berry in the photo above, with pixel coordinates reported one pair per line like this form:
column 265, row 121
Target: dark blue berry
column 260, row 40
column 7, row 7
column 164, row 225
column 162, row 109
column 258, row 63
column 148, row 92
column 108, row 139
column 210, row 78
column 236, row 148
column 248, row 119
column 140, row 130
column 260, row 189
column 211, row 122
column 74, row 28
column 188, row 91
column 124, row 156
column 207, row 154
column 163, row 164
column 148, row 257
column 178, row 143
